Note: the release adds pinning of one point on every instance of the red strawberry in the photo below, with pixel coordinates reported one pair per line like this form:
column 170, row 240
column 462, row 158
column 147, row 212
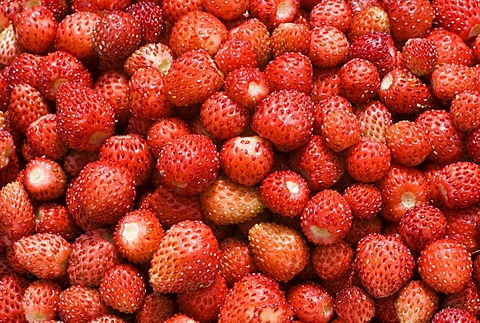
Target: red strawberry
column 326, row 218
column 40, row 300
column 371, row 18
column 363, row 227
column 173, row 10
column 353, row 304
column 123, row 288
column 465, row 110
column 384, row 264
column 10, row 172
column 23, row 69
column 360, row 80
column 180, row 318
column 468, row 299
column 416, row 301
column 54, row 218
column 196, row 166
column 445, row 265
column 113, row 86
column 43, row 139
column 192, row 78
column 453, row 315
column 155, row 307
column 197, row 30
column 155, row 55
column 163, row 131
column 290, row 70
column 311, row 302
column 274, row 12
column 329, row 47
column 235, row 53
column 462, row 17
column 340, row 129
column 137, row 235
column 204, row 304
column 450, row 47
column 43, row 254
column 12, row 288
column 226, row 202
column 5, row 87
column 75, row 34
column 336, row 13
column 292, row 127
column 80, row 304
column 247, row 86
column 178, row 266
column 76, row 160
column 290, row 37
column 150, row 19
column 419, row 56
column 375, row 119
column 255, row 298
column 9, row 46
column 7, row 147
column 236, row 260
column 93, row 252
column 448, row 80
column 368, row 161
column 385, row 309
column 44, row 179
column 473, row 145
column 330, row 262
column 462, row 226
column 326, row 105
column 99, row 6
column 365, row 200
column 226, row 10
column 108, row 318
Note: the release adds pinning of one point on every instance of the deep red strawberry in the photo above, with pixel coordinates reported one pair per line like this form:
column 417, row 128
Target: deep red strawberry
column 44, row 179
column 419, row 56
column 76, row 160
column 12, row 287
column 360, row 80
column 54, row 218
column 247, row 86
column 462, row 17
column 40, row 300
column 291, row 70
column 451, row 314
column 149, row 16
column 416, row 301
column 448, row 80
column 311, row 302
column 329, row 47
column 368, row 161
column 365, row 200
column 465, row 110
column 235, row 53
column 80, row 304
column 353, row 304
column 23, row 69
column 340, row 129
column 330, row 262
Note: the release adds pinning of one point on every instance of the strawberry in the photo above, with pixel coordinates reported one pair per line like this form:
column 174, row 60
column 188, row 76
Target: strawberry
column 293, row 127
column 360, row 80
column 340, row 129
column 468, row 299
column 331, row 262
column 137, row 235
column 58, row 67
column 236, row 260
column 84, row 119
column 447, row 141
column 180, row 318
column 7, row 10
column 35, row 29
column 7, row 147
column 9, row 46
column 197, row 30
column 173, row 10
column 274, row 12
column 336, row 13
column 155, row 307
column 255, row 298
column 422, row 225
column 222, row 118
column 17, row 218
column 473, row 145
column 6, row 88
column 290, row 70
column 445, row 265
column 235, row 53
column 80, row 304
column 122, row 288
column 44, row 179
column 113, row 86
column 75, row 35
column 247, row 86
column 150, row 19
column 196, row 167
column 93, row 252
column 40, row 300
column 196, row 65
column 204, row 304
column 385, row 309
column 326, row 105
column 462, row 226
column 365, row 200
column 448, row 80
column 404, row 93
column 311, row 302
column 419, row 56
column 290, row 37
column 363, row 227
column 108, row 318
column 372, row 18
column 43, row 254
column 226, row 202
column 163, row 131
column 465, row 110
column 226, row 10
column 368, row 161
column 42, row 137
column 329, row 47
column 406, row 23
column 416, row 301
column 23, row 69
column 12, row 288
column 353, row 304
column 99, row 6
column 116, row 36
column 76, row 160
column 155, row 55
column 317, row 163
column 462, row 18
column 10, row 172
column 53, row 218
column 326, row 218
column 384, row 264
column 453, row 315
column 177, row 266
column 450, row 47
column 171, row 208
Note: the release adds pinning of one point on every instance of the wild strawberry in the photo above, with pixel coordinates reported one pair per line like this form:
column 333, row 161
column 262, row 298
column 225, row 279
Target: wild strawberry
column 194, row 249
column 360, row 80
column 329, row 47
column 407, row 24
column 204, row 304
column 53, row 218
column 40, row 300
column 226, row 202
column 261, row 295
column 385, row 309
column 196, row 65
column 5, row 87
column 173, row 10
column 93, row 252
column 247, row 86
column 467, row 299
column 465, row 110
column 462, row 226
column 113, row 86
column 362, row 311
column 393, row 267
column 416, row 301
column 326, row 218
column 365, row 200
column 137, row 235
column 7, row 147
column 293, row 127
column 340, row 129
column 363, row 227
column 12, row 287
column 311, row 302
column 43, row 254
column 42, row 137
column 326, row 105
column 155, row 307
column 473, row 145
column 180, row 318
column 123, row 288
column 274, row 12
column 17, row 218
column 235, row 53
column 450, row 47
column 447, row 146
column 108, row 318
column 445, row 265
column 451, row 314
column 44, row 179
column 156, row 55
column 419, row 56
column 150, row 19
column 226, row 10
column 462, row 18
column 10, row 172
column 9, row 46
column 164, row 131
column 236, row 260
column 368, row 161
column 75, row 35
column 80, row 304
column 23, row 69
column 76, row 160
column 372, row 18
column 336, row 13
column 325, row 83
column 99, row 6
column 448, row 80
column 317, row 163
column 290, row 37
column 290, row 71
column 331, row 262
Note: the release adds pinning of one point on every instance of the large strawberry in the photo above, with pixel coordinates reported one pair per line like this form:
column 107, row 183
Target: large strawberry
column 40, row 300
column 460, row 17
column 416, row 301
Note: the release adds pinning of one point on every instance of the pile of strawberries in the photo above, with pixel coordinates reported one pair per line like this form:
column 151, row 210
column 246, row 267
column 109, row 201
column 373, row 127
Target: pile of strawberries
column 239, row 161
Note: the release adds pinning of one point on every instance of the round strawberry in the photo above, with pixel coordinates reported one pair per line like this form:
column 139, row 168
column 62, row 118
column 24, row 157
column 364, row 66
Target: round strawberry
column 44, row 179
column 40, row 300
column 340, row 129
column 371, row 18
column 155, row 307
column 156, row 55
column 150, row 19
column 368, row 161
column 336, row 13
column 80, row 304
column 329, row 47
column 195, row 167
column 43, row 139
column 365, row 200
column 290, row 37
column 360, row 80
column 247, row 86
column 419, row 56
column 451, row 314
column 235, row 53
column 416, row 301
column 310, row 302
column 163, row 131
column 450, row 47
column 465, row 110
column 331, row 262
column 384, row 264
column 353, row 304
column 291, row 70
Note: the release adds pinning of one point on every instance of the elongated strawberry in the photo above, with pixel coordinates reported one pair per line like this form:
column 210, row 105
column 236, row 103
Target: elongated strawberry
column 372, row 18
column 416, row 300
column 9, row 46
column 450, row 47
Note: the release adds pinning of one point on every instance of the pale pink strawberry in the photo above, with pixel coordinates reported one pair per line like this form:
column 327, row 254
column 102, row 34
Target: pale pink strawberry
column 448, row 80
column 113, row 86
column 450, row 47
column 375, row 119
column 416, row 301
column 290, row 70
column 9, row 46
column 371, row 18
column 290, row 37
column 329, row 47
column 155, row 307
column 353, row 304
column 247, row 86
column 311, row 302
column 51, row 217
column 465, row 110
column 44, row 179
column 40, row 300
column 80, row 304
